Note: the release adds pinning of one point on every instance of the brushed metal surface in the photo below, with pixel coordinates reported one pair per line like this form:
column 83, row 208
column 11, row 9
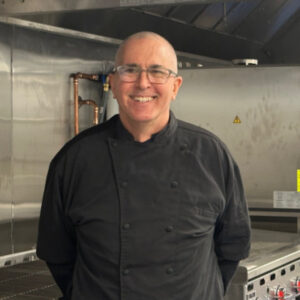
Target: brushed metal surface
column 267, row 141
column 36, row 117
column 17, row 258
column 274, row 260
column 5, row 138
column 31, row 280
column 107, row 41
column 42, row 106
column 269, row 250
column 36, row 6
column 185, row 59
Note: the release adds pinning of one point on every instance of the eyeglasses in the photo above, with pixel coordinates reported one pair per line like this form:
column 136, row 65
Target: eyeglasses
column 155, row 74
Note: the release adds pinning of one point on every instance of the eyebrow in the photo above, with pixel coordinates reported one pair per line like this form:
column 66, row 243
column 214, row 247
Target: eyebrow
column 154, row 66
column 131, row 65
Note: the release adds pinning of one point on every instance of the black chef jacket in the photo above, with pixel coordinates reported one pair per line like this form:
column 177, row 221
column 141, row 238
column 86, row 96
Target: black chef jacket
column 144, row 221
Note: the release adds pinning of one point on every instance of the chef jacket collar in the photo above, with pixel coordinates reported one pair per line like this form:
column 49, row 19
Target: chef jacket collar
column 167, row 132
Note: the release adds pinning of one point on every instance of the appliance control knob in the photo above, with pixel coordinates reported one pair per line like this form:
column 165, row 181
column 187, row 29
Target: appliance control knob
column 277, row 293
column 295, row 285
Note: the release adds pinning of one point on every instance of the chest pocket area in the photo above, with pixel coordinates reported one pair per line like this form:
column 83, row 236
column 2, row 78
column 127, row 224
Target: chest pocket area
column 197, row 219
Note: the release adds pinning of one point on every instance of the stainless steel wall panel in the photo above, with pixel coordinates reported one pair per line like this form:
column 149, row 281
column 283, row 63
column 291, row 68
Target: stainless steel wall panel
column 5, row 139
column 267, row 141
column 43, row 109
column 36, row 116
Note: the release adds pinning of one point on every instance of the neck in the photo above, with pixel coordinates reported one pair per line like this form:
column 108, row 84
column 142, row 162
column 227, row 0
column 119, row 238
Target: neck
column 143, row 131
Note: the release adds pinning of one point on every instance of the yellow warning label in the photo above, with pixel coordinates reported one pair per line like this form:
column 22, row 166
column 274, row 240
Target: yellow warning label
column 298, row 180
column 237, row 120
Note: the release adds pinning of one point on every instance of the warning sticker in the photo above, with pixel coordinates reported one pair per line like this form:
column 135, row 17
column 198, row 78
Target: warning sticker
column 237, row 120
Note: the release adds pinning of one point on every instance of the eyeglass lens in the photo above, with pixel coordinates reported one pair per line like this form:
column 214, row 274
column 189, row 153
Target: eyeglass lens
column 154, row 74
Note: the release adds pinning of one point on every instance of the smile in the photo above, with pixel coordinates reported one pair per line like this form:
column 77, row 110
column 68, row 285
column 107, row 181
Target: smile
column 143, row 99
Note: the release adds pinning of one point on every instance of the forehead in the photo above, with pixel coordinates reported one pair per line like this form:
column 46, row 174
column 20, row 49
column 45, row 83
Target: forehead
column 146, row 51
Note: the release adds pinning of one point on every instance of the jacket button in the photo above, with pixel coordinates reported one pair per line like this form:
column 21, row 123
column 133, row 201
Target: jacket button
column 170, row 228
column 114, row 143
column 174, row 184
column 183, row 147
column 126, row 226
column 125, row 272
column 124, row 184
column 170, row 270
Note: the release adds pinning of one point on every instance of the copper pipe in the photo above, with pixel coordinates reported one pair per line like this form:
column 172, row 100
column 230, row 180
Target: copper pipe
column 77, row 76
column 87, row 76
column 96, row 109
column 76, row 106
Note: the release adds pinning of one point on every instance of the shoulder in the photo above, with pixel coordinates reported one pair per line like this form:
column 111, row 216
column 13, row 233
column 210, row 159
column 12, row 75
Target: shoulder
column 207, row 147
column 203, row 143
column 197, row 133
column 86, row 139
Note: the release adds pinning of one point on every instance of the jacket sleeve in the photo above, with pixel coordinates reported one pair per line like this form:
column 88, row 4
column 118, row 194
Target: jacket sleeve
column 56, row 242
column 228, row 269
column 232, row 234
column 62, row 274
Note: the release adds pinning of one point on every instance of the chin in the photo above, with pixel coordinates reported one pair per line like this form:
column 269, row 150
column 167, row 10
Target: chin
column 143, row 119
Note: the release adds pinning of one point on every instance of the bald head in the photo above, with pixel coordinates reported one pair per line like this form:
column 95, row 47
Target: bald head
column 144, row 35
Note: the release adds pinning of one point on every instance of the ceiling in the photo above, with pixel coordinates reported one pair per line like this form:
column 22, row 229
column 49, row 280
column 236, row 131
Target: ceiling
column 266, row 30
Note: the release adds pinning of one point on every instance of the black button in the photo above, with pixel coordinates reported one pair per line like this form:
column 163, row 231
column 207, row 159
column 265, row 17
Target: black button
column 183, row 147
column 126, row 226
column 114, row 143
column 170, row 270
column 124, row 184
column 174, row 184
column 125, row 272
column 170, row 228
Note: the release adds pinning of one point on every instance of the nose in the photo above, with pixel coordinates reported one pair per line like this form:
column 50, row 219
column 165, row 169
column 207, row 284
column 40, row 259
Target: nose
column 143, row 81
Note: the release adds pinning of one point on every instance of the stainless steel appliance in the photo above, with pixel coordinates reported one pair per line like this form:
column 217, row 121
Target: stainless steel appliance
column 272, row 271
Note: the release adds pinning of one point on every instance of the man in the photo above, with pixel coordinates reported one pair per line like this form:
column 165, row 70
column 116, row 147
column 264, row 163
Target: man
column 144, row 207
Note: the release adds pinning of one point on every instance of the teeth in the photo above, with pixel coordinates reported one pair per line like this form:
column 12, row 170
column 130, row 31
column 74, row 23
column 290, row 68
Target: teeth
column 143, row 99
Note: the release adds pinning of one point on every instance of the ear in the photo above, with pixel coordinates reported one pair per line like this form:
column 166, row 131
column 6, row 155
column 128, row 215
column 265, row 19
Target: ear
column 176, row 85
column 112, row 83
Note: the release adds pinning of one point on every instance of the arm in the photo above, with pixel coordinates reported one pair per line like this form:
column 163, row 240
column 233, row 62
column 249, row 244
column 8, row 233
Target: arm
column 232, row 234
column 228, row 269
column 62, row 274
column 56, row 238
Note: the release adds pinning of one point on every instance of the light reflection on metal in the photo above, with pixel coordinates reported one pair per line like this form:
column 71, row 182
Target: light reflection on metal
column 59, row 6
column 17, row 258
column 245, row 61
column 79, row 102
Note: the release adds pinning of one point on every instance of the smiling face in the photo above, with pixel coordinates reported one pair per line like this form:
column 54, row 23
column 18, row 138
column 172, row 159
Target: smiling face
column 143, row 102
